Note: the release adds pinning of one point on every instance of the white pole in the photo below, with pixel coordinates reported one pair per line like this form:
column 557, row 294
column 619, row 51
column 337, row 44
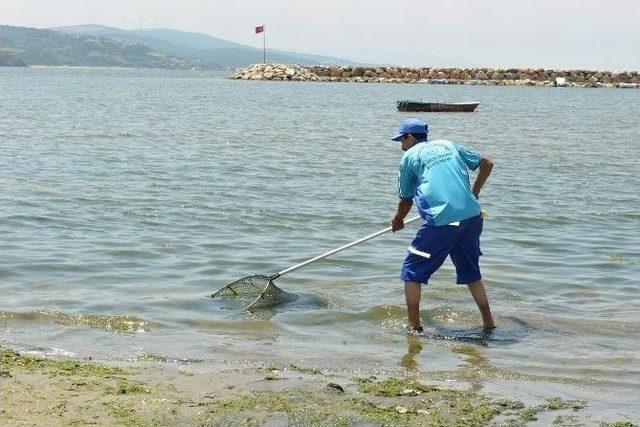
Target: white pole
column 340, row 249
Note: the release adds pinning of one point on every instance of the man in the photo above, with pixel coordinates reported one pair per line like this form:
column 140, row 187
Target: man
column 434, row 174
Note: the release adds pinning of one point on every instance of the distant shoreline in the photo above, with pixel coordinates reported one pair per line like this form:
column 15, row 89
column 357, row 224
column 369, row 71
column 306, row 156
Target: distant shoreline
column 466, row 76
column 96, row 67
column 423, row 75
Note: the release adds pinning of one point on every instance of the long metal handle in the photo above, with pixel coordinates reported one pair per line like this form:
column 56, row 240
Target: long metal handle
column 340, row 249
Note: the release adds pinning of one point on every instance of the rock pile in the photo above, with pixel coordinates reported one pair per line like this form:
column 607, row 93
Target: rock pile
column 276, row 72
column 477, row 76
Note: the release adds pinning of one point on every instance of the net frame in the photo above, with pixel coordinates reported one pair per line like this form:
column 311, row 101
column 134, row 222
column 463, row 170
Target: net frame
column 255, row 291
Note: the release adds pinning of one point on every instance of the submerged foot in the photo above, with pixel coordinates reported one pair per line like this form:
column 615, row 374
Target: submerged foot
column 416, row 330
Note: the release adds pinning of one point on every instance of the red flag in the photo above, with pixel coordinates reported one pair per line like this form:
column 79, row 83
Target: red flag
column 259, row 29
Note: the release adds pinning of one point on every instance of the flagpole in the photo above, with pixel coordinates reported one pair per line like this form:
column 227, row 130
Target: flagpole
column 264, row 44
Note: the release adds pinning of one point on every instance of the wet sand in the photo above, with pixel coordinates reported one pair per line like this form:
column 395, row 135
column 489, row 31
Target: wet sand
column 154, row 391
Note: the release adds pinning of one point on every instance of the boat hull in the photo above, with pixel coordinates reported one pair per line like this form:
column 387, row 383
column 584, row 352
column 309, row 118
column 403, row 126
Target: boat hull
column 437, row 107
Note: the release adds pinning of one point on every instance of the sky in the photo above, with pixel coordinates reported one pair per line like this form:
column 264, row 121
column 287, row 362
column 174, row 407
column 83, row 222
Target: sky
column 585, row 34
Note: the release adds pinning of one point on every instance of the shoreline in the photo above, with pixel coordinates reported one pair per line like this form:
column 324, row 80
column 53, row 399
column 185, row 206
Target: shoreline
column 460, row 76
column 410, row 75
column 104, row 67
column 154, row 391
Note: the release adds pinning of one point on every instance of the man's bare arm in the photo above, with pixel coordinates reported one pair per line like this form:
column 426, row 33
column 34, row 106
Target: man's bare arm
column 404, row 206
column 486, row 165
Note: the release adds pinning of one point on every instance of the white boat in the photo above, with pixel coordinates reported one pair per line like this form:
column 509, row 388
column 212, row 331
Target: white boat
column 628, row 85
column 560, row 82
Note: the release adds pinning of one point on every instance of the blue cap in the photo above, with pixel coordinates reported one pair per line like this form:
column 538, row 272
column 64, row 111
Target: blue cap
column 415, row 126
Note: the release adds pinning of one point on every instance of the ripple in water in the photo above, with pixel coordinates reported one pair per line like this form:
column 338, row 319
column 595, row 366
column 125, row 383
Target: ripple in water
column 119, row 324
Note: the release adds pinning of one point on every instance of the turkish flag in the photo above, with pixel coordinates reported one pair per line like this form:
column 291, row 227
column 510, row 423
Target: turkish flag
column 259, row 29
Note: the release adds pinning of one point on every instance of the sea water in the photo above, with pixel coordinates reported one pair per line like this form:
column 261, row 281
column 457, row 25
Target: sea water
column 128, row 196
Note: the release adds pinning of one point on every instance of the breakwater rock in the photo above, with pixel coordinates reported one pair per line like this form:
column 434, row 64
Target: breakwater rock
column 470, row 76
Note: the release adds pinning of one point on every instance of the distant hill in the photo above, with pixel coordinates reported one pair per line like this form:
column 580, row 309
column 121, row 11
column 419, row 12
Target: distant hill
column 8, row 60
column 45, row 47
column 208, row 51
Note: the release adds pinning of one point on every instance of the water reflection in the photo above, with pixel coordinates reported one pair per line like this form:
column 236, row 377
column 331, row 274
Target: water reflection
column 476, row 365
column 467, row 342
column 414, row 347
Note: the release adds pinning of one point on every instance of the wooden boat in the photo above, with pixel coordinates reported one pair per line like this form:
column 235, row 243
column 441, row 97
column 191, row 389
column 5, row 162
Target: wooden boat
column 437, row 107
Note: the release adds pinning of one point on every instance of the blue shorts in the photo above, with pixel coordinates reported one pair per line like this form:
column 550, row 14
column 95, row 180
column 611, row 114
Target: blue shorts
column 432, row 245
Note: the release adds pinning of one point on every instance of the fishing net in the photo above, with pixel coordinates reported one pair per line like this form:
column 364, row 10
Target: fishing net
column 254, row 292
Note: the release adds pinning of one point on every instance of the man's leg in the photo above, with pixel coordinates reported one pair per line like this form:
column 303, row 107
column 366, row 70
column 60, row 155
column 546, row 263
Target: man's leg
column 412, row 294
column 466, row 257
column 426, row 254
column 480, row 297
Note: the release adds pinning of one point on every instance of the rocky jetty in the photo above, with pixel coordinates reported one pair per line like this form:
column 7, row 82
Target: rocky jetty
column 469, row 76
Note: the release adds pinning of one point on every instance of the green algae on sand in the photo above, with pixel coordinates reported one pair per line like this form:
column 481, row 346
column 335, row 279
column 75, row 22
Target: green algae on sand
column 84, row 393
column 13, row 360
column 391, row 386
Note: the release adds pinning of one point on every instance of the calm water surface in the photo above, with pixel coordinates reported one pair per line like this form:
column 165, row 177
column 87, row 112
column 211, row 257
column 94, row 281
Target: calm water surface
column 128, row 196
